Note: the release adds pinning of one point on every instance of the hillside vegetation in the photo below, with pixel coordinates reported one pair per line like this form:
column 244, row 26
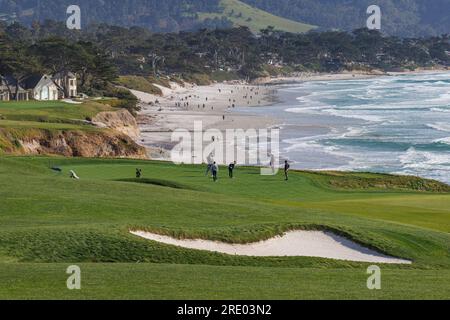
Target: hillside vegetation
column 407, row 18
column 412, row 18
column 136, row 59
column 241, row 14
column 138, row 83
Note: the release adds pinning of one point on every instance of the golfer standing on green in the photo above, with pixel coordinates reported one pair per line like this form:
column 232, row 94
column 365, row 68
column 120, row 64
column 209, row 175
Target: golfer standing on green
column 231, row 168
column 210, row 160
column 215, row 170
column 286, row 170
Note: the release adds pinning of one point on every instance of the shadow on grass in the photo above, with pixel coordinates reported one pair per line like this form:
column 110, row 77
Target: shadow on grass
column 158, row 182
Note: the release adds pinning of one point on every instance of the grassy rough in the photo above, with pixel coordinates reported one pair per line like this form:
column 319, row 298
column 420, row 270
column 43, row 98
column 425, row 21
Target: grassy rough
column 371, row 181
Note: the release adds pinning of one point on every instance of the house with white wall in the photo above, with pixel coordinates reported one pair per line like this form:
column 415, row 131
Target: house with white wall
column 41, row 88
column 4, row 92
column 67, row 83
column 11, row 90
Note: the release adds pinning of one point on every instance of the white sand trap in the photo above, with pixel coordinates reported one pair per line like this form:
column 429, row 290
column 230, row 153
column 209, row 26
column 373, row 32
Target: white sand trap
column 295, row 243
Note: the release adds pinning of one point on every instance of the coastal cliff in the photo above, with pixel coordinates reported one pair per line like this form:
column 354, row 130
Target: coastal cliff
column 109, row 134
column 121, row 121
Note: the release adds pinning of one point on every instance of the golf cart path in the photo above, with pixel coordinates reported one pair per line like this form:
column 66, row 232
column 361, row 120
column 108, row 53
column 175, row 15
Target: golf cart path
column 295, row 243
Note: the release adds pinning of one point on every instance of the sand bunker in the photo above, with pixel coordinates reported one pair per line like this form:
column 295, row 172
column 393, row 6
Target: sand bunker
column 295, row 243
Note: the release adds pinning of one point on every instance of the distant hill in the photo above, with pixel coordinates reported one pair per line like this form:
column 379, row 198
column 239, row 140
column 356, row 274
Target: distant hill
column 158, row 16
column 241, row 14
column 400, row 17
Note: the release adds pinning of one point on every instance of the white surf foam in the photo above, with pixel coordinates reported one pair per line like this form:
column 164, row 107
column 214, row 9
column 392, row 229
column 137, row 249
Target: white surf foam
column 445, row 110
column 415, row 159
column 440, row 126
column 349, row 114
column 443, row 140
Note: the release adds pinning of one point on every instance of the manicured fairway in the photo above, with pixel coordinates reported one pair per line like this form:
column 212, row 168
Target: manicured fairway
column 48, row 112
column 48, row 221
column 18, row 105
column 168, row 281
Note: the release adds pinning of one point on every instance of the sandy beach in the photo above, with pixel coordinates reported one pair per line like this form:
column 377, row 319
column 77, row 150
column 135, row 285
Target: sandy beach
column 216, row 106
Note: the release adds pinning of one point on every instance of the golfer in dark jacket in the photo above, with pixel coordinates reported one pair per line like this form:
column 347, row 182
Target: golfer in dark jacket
column 231, row 168
column 286, row 170
column 215, row 170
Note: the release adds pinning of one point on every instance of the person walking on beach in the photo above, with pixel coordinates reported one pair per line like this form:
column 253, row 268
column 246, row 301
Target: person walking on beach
column 215, row 171
column 231, row 168
column 210, row 161
column 286, row 170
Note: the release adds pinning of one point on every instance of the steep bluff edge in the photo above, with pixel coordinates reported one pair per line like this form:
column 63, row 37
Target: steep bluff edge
column 109, row 135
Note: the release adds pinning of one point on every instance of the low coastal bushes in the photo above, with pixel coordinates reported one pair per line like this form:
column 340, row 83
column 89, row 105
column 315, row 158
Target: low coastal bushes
column 372, row 181
column 138, row 83
column 200, row 79
column 122, row 99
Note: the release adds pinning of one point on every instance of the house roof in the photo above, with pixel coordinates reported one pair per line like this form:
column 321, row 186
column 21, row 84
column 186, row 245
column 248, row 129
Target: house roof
column 8, row 81
column 32, row 81
column 3, row 86
column 29, row 83
column 11, row 82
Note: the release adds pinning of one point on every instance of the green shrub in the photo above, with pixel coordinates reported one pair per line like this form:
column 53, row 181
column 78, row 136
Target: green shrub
column 124, row 99
column 138, row 83
column 200, row 79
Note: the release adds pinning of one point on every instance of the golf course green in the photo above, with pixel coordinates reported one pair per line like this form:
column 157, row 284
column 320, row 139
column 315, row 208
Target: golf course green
column 49, row 222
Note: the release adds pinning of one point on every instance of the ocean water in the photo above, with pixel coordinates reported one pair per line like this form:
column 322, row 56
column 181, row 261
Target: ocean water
column 398, row 124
